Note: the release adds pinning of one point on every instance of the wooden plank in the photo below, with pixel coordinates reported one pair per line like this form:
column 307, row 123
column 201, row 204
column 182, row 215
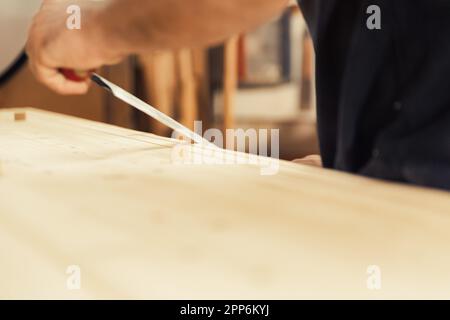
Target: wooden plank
column 111, row 201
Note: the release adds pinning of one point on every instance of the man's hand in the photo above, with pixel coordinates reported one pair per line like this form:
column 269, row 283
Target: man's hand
column 52, row 45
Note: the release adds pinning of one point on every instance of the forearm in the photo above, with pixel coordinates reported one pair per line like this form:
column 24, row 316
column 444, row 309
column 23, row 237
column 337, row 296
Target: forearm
column 141, row 25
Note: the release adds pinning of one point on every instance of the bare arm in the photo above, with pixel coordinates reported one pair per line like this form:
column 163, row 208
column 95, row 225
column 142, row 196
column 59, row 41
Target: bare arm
column 118, row 28
column 184, row 23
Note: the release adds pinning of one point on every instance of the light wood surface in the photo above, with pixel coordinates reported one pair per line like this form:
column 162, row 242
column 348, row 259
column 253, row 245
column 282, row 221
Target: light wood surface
column 111, row 201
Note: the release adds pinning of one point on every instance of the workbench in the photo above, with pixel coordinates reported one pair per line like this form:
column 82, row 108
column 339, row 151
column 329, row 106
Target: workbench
column 110, row 202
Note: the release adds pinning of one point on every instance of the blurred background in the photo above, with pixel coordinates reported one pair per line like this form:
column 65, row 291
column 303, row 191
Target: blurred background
column 260, row 79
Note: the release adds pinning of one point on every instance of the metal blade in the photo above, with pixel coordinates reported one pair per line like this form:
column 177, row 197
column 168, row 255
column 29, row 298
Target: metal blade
column 148, row 109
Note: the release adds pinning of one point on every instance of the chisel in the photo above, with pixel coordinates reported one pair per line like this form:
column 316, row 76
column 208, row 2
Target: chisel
column 135, row 102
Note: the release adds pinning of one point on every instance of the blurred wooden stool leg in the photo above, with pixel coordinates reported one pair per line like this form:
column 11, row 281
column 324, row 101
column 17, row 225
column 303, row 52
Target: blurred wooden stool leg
column 118, row 112
column 307, row 93
column 158, row 70
column 230, row 81
column 188, row 99
column 202, row 80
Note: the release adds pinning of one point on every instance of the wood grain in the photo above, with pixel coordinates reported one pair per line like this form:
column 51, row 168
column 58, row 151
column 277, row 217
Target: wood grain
column 110, row 200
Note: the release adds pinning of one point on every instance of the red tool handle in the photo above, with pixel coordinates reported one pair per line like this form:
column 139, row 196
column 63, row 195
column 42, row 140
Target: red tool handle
column 76, row 75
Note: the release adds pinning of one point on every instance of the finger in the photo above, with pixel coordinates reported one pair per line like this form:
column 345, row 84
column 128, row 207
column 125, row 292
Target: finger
column 53, row 79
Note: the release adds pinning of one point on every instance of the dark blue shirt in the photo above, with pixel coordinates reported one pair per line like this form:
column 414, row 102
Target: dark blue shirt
column 383, row 95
